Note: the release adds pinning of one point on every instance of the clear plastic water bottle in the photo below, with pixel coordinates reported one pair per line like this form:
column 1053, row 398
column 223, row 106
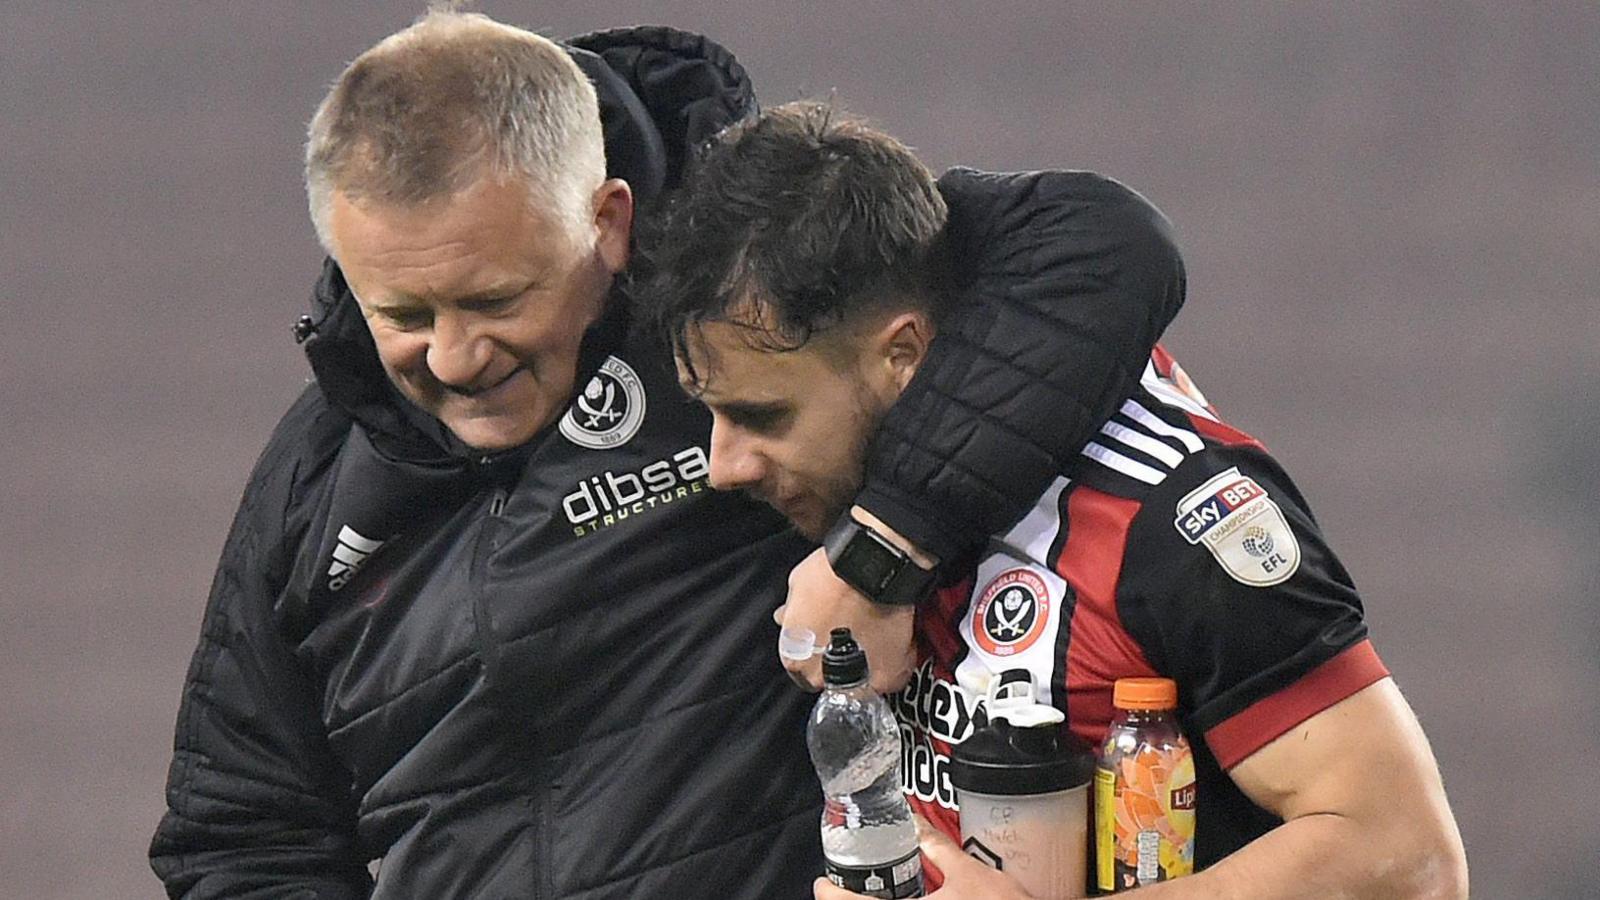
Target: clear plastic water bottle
column 868, row 837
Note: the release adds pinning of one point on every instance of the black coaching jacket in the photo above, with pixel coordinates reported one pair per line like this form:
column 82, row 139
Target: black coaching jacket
column 550, row 672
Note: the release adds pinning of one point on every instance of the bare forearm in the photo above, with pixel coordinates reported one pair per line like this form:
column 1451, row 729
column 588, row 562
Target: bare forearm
column 1327, row 856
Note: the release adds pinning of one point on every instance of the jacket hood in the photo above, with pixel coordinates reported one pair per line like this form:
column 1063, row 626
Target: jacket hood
column 662, row 93
column 674, row 88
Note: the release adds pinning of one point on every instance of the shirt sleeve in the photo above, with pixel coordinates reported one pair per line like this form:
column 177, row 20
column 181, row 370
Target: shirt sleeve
column 1232, row 591
column 1064, row 282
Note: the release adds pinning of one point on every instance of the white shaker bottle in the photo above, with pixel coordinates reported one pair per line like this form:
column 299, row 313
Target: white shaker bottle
column 1022, row 783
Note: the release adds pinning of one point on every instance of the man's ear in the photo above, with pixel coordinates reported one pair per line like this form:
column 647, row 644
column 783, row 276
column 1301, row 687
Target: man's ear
column 902, row 344
column 613, row 222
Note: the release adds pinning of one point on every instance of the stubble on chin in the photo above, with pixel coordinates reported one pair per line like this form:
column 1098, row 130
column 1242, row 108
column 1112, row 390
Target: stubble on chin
column 813, row 531
column 831, row 499
column 834, row 500
column 842, row 492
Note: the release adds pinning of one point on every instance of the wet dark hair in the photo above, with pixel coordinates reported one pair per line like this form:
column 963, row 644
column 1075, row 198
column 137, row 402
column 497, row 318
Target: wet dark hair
column 790, row 224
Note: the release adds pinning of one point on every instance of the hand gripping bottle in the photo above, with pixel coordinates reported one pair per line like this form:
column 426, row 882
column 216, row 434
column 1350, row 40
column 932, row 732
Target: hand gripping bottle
column 868, row 838
column 1144, row 790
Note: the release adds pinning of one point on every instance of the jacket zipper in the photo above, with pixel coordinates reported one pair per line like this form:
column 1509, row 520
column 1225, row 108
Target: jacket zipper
column 486, row 543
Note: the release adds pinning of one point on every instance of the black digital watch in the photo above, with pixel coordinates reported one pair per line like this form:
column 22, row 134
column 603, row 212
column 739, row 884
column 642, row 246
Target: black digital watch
column 868, row 562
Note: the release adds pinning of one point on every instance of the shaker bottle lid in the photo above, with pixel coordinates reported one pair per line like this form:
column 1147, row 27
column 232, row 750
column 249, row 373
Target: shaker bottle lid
column 1145, row 693
column 1006, row 760
column 1020, row 751
column 844, row 662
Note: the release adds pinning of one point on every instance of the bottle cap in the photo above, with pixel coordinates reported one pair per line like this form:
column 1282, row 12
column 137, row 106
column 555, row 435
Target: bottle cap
column 844, row 662
column 1145, row 693
column 1020, row 751
column 798, row 644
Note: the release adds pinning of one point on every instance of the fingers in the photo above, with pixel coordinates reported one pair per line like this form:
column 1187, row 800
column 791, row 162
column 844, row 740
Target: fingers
column 963, row 876
column 823, row 889
column 939, row 851
column 807, row 676
column 805, row 672
column 938, row 848
column 818, row 601
column 927, row 834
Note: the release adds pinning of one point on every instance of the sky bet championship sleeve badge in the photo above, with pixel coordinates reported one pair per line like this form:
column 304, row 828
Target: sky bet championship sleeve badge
column 610, row 409
column 1235, row 519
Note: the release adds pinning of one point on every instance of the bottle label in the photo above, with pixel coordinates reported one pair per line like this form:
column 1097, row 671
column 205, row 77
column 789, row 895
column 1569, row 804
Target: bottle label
column 1105, row 828
column 1144, row 818
column 890, row 880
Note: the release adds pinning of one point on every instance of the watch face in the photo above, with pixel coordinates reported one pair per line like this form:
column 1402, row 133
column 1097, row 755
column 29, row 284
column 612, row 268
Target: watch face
column 873, row 563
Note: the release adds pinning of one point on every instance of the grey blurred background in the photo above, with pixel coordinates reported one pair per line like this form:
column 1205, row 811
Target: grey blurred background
column 1390, row 212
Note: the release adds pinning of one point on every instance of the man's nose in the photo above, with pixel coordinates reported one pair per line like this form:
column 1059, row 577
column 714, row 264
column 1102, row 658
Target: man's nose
column 457, row 354
column 735, row 461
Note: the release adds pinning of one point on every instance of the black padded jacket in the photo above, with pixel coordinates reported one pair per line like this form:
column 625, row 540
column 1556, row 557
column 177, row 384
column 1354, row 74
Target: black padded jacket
column 548, row 672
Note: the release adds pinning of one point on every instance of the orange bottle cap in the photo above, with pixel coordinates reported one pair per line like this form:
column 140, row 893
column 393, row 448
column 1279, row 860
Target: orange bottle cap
column 1145, row 693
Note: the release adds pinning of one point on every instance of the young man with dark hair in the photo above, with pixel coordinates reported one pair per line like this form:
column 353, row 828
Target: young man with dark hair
column 800, row 275
column 840, row 258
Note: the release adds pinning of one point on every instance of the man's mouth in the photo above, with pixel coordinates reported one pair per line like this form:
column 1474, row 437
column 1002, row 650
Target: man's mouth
column 487, row 392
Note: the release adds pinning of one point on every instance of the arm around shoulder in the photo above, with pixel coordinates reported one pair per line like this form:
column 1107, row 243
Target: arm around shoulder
column 1063, row 282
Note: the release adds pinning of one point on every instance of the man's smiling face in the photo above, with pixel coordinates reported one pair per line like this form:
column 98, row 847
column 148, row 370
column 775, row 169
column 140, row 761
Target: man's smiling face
column 478, row 301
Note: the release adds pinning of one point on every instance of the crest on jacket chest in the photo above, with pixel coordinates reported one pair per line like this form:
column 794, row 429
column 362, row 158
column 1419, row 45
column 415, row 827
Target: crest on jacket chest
column 609, row 409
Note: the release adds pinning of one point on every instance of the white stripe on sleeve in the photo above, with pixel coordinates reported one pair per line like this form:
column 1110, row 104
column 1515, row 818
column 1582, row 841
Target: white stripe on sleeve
column 1171, row 396
column 1143, row 443
column 1037, row 530
column 1155, row 423
column 1129, row 467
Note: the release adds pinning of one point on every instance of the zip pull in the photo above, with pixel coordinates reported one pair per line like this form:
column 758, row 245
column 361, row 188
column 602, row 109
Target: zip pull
column 497, row 503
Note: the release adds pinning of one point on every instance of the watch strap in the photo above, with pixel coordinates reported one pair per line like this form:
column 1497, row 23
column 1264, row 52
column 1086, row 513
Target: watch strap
column 874, row 566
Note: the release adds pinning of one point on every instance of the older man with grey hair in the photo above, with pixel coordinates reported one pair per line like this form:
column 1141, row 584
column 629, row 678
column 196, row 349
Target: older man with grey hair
column 481, row 627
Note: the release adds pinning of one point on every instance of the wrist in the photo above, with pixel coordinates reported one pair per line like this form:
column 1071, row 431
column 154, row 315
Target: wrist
column 877, row 566
column 918, row 555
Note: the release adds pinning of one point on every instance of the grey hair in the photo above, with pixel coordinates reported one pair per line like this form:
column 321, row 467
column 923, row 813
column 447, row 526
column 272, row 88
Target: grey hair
column 431, row 109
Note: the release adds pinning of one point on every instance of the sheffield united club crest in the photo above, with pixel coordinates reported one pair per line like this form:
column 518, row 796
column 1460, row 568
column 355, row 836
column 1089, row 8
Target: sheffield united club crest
column 609, row 410
column 1012, row 612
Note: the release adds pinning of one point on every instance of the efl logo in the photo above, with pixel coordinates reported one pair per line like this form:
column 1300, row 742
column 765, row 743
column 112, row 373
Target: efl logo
column 1234, row 519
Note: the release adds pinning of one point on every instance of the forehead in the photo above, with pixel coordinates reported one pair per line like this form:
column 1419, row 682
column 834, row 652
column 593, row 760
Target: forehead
column 489, row 231
column 723, row 360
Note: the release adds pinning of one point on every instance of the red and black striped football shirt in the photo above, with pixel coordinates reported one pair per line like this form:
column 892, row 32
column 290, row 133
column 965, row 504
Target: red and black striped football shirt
column 1176, row 547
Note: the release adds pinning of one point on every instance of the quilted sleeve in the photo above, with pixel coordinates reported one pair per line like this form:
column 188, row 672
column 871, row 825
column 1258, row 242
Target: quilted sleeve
column 256, row 804
column 1065, row 281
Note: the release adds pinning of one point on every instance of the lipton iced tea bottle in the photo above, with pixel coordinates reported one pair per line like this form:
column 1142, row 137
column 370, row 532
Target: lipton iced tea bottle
column 1144, row 790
